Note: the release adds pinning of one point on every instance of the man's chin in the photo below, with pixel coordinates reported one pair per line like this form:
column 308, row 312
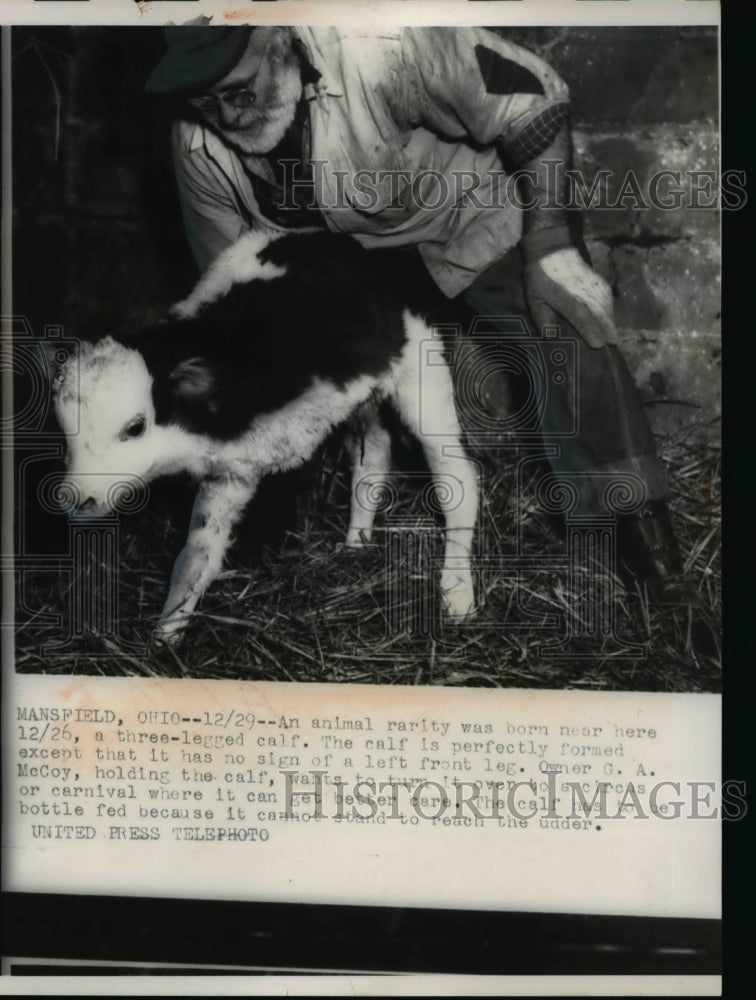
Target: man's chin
column 258, row 141
column 253, row 147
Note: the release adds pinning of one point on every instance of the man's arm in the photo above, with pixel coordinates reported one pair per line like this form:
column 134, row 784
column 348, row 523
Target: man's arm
column 558, row 282
column 209, row 206
column 505, row 95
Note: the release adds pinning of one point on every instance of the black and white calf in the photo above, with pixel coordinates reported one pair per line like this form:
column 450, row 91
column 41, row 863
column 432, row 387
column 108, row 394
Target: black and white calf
column 280, row 341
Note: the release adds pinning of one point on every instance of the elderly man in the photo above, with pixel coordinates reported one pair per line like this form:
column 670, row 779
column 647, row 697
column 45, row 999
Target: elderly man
column 450, row 141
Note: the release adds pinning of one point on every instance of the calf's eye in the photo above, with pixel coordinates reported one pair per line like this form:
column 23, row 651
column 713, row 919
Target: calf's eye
column 133, row 429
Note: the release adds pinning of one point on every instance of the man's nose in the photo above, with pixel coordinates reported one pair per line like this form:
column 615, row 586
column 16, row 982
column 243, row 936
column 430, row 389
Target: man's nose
column 228, row 117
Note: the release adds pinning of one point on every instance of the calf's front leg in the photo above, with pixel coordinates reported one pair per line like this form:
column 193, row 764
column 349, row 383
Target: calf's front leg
column 217, row 508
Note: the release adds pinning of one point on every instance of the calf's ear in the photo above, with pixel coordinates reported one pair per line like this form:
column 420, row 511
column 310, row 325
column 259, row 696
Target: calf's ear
column 50, row 359
column 45, row 358
column 194, row 382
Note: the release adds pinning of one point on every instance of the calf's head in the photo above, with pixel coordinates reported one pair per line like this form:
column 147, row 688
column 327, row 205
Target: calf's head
column 103, row 402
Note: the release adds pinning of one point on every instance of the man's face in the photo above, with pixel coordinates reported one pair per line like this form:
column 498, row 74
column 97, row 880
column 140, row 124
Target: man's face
column 255, row 102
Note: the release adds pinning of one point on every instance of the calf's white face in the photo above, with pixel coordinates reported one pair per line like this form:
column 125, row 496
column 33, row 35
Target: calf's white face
column 103, row 401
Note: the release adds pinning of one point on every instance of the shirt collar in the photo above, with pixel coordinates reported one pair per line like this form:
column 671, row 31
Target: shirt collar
column 197, row 138
column 327, row 84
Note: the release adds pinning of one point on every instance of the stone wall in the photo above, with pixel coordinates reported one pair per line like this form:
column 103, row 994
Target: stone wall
column 98, row 239
column 646, row 100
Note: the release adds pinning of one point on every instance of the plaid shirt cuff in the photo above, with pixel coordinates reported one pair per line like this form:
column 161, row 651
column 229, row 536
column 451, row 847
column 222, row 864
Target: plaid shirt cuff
column 536, row 137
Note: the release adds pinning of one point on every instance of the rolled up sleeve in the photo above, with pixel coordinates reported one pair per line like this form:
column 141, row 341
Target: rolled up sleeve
column 471, row 82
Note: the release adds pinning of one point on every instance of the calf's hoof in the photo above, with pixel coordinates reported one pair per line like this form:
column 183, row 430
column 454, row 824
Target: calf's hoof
column 169, row 632
column 357, row 538
column 457, row 598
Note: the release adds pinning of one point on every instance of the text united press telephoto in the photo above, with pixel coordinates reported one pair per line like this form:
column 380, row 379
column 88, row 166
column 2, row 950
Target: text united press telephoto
column 371, row 356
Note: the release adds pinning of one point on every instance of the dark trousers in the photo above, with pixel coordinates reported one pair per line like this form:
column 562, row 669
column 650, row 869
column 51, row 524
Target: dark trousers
column 592, row 421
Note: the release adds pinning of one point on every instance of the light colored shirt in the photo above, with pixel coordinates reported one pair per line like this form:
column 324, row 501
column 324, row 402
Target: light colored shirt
column 405, row 140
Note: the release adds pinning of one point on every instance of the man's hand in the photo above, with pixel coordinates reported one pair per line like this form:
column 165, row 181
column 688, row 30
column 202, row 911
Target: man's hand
column 558, row 282
column 562, row 285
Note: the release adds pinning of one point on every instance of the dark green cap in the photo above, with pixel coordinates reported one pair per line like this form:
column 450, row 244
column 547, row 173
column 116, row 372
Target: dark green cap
column 197, row 58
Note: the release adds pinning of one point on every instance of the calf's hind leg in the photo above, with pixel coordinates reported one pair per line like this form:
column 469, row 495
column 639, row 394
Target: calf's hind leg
column 370, row 453
column 217, row 507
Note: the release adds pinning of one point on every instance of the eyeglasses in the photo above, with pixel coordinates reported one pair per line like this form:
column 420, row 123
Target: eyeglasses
column 236, row 97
